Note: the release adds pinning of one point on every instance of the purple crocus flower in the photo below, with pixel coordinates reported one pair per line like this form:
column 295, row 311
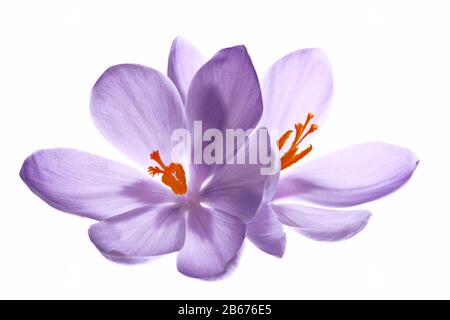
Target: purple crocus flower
column 137, row 108
column 309, row 195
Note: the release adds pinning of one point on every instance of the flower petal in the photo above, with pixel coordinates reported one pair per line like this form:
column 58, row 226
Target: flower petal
column 266, row 232
column 237, row 190
column 350, row 176
column 227, row 85
column 298, row 83
column 224, row 94
column 322, row 224
column 139, row 234
column 213, row 240
column 240, row 189
column 184, row 61
column 137, row 108
column 88, row 185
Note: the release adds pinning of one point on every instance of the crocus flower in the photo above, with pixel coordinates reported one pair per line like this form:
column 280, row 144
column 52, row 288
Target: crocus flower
column 137, row 108
column 310, row 195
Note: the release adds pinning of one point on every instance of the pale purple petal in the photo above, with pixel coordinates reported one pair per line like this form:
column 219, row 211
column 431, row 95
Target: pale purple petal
column 88, row 185
column 224, row 94
column 137, row 108
column 350, row 176
column 213, row 240
column 240, row 189
column 266, row 232
column 322, row 224
column 184, row 61
column 141, row 233
column 298, row 83
column 237, row 190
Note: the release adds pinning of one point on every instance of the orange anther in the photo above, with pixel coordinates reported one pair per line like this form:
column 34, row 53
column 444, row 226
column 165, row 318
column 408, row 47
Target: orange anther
column 291, row 156
column 283, row 139
column 173, row 175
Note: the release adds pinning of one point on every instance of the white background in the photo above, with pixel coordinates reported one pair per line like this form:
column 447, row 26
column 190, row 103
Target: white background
column 391, row 68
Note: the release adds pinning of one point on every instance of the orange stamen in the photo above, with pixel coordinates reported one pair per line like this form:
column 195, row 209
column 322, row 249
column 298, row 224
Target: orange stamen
column 287, row 162
column 292, row 156
column 283, row 139
column 173, row 175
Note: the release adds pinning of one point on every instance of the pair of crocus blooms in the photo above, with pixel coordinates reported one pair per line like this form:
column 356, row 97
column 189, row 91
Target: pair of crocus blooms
column 206, row 211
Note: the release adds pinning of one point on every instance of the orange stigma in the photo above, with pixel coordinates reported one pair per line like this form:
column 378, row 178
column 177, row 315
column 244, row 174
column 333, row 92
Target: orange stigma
column 292, row 155
column 173, row 175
